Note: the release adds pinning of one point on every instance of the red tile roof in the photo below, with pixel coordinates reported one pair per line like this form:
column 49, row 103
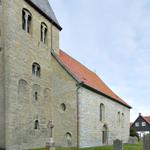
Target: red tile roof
column 147, row 118
column 89, row 78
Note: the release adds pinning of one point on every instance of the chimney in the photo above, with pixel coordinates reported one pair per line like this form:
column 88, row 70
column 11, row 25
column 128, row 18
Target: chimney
column 140, row 114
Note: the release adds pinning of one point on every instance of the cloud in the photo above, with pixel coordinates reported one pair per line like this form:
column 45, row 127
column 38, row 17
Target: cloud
column 113, row 38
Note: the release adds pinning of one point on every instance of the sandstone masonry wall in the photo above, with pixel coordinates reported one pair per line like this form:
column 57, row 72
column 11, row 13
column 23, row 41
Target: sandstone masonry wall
column 18, row 107
column 2, row 102
column 64, row 91
column 90, row 125
column 21, row 50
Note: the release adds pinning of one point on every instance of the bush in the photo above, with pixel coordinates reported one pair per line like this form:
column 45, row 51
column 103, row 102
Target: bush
column 133, row 133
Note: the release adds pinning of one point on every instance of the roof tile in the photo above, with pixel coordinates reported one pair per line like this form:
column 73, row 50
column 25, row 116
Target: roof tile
column 89, row 78
column 147, row 118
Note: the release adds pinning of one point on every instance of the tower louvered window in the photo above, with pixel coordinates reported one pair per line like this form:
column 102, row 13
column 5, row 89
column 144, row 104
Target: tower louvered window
column 36, row 69
column 26, row 20
column 44, row 32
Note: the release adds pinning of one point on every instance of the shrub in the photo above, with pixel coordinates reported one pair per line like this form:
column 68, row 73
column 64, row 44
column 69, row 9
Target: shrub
column 134, row 133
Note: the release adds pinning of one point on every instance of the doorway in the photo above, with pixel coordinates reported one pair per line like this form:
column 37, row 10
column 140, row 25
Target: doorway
column 104, row 135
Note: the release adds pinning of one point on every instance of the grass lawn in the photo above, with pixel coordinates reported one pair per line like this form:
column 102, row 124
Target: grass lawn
column 126, row 147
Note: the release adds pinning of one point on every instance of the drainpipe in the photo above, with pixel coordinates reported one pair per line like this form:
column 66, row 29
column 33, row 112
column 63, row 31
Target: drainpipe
column 79, row 85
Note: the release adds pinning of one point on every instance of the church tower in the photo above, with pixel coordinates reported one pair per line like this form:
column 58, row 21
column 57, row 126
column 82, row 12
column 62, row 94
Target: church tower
column 29, row 31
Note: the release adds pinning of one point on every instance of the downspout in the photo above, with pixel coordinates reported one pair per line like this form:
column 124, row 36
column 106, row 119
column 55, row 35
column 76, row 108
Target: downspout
column 79, row 85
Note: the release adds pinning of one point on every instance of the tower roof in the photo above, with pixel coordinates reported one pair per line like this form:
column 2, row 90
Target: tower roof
column 44, row 7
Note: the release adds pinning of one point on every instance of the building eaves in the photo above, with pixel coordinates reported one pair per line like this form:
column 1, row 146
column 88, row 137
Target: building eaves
column 82, row 83
column 44, row 8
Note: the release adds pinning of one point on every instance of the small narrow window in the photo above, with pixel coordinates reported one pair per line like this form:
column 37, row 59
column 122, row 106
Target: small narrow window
column 119, row 118
column 26, row 20
column 36, row 70
column 63, row 107
column 102, row 112
column 69, row 139
column 104, row 134
column 36, row 96
column 44, row 32
column 36, row 126
column 122, row 122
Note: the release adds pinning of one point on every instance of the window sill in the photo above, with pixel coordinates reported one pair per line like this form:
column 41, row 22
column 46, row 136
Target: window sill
column 28, row 33
column 43, row 44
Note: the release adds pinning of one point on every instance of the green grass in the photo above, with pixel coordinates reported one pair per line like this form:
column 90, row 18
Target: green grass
column 126, row 147
column 133, row 147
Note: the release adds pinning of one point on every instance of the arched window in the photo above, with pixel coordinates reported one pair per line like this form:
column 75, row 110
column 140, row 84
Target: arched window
column 104, row 134
column 36, row 69
column 43, row 32
column 122, row 122
column 23, row 90
column 26, row 20
column 36, row 125
column 36, row 95
column 69, row 138
column 47, row 94
column 36, row 89
column 102, row 112
column 23, row 85
column 119, row 117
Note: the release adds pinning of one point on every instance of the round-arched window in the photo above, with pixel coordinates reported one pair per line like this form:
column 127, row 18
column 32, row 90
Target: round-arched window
column 36, row 124
column 69, row 138
column 102, row 112
column 43, row 32
column 36, row 69
column 26, row 20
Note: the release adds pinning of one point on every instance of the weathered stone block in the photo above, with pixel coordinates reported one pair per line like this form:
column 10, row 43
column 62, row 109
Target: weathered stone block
column 133, row 140
column 91, row 128
column 118, row 145
column 146, row 141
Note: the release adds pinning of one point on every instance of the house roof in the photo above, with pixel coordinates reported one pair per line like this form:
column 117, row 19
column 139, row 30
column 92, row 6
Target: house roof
column 147, row 118
column 44, row 7
column 87, row 77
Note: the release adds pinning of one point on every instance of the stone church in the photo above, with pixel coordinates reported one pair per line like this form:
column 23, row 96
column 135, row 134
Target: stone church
column 39, row 82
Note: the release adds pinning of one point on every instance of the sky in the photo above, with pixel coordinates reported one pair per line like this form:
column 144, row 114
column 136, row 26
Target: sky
column 112, row 38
